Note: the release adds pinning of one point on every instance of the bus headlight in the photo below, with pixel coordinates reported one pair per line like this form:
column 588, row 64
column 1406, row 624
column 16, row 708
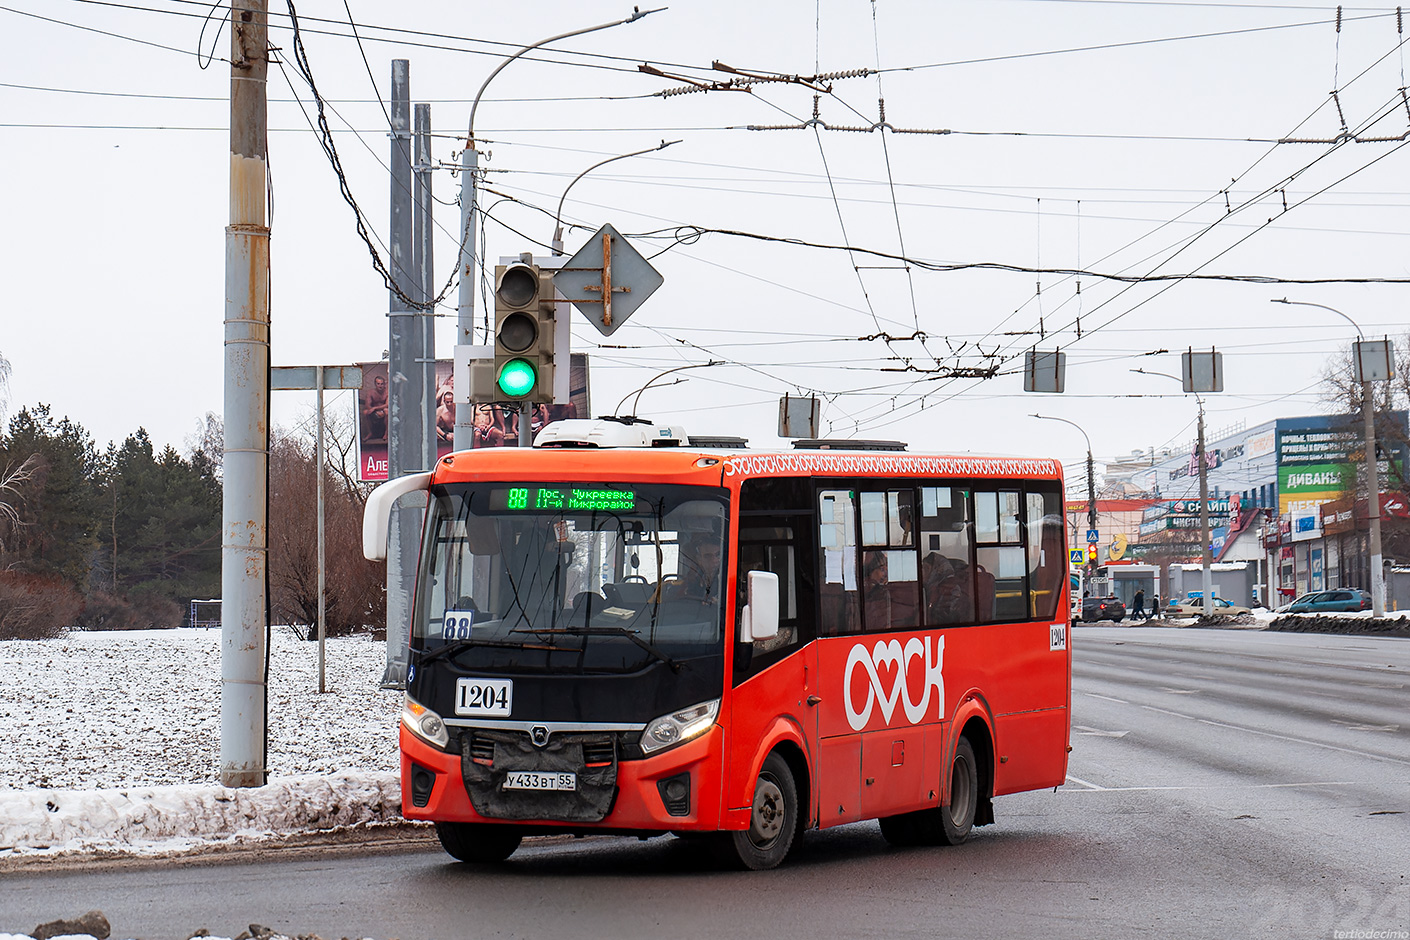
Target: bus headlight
column 678, row 727
column 425, row 724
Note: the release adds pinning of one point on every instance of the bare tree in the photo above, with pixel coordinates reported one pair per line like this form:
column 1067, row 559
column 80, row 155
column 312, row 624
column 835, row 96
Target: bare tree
column 354, row 586
column 209, row 442
column 10, row 481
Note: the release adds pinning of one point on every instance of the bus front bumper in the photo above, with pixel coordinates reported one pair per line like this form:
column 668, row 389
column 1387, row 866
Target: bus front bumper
column 644, row 788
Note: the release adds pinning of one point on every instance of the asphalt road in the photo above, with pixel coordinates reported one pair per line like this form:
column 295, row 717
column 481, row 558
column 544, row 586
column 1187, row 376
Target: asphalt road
column 1222, row 784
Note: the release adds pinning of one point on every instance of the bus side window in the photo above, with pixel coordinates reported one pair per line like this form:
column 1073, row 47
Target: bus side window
column 1046, row 554
column 1001, row 589
column 947, row 556
column 838, row 612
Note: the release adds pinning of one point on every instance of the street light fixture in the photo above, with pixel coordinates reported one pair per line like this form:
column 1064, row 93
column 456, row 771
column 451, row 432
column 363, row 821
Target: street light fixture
column 558, row 217
column 1206, row 553
column 1091, row 476
column 470, row 168
column 1373, row 477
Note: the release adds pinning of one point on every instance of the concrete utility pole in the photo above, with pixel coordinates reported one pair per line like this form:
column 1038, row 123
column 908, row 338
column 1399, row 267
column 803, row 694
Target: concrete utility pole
column 1373, row 470
column 1206, row 581
column 405, row 392
column 244, row 515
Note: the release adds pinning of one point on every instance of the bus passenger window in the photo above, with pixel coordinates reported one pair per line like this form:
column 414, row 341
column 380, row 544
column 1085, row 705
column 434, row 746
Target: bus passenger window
column 947, row 556
column 838, row 612
column 1046, row 555
column 1000, row 581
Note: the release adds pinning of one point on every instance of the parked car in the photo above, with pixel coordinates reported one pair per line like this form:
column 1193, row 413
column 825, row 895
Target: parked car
column 1103, row 608
column 1342, row 600
column 1193, row 606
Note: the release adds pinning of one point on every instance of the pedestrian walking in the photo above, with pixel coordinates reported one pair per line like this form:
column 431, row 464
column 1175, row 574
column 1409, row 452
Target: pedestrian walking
column 1138, row 605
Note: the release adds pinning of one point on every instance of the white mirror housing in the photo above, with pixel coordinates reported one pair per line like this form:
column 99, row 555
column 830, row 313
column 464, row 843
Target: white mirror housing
column 759, row 619
column 377, row 513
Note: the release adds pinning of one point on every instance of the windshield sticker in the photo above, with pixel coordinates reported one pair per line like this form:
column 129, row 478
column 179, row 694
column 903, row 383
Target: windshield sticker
column 457, row 624
column 898, row 661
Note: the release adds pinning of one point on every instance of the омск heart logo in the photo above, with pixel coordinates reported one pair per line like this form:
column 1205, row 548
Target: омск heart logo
column 890, row 653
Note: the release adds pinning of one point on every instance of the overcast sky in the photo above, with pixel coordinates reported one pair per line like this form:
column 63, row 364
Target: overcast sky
column 1130, row 138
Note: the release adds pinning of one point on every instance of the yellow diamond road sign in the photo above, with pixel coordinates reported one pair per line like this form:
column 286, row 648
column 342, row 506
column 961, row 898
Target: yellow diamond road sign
column 607, row 280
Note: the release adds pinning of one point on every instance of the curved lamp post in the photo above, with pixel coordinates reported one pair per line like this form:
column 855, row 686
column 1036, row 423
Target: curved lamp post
column 558, row 217
column 1091, row 476
column 470, row 168
column 1373, row 477
column 660, row 375
column 1206, row 554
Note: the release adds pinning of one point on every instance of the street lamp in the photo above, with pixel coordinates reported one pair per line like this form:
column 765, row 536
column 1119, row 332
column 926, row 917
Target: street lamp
column 1373, row 477
column 1091, row 476
column 1206, row 553
column 558, row 217
column 470, row 168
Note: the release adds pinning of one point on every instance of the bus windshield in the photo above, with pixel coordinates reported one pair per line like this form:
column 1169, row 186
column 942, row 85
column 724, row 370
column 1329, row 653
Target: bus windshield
column 536, row 577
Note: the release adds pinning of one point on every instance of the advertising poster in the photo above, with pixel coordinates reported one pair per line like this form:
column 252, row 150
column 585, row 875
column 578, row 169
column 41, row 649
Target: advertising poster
column 495, row 425
column 1318, row 461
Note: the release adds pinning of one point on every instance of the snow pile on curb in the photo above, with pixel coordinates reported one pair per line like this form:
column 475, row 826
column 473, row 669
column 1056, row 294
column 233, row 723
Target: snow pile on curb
column 163, row 819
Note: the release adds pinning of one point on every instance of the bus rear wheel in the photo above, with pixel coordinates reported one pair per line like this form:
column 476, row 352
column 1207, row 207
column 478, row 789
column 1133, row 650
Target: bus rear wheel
column 478, row 843
column 957, row 819
column 773, row 823
column 943, row 825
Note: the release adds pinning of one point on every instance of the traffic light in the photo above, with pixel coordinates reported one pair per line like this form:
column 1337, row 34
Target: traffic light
column 1091, row 554
column 523, row 333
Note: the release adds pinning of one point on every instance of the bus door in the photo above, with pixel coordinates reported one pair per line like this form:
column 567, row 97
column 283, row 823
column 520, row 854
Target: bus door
column 775, row 680
column 880, row 731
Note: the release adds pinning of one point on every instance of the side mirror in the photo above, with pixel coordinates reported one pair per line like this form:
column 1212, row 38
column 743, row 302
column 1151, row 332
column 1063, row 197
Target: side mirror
column 376, row 513
column 759, row 619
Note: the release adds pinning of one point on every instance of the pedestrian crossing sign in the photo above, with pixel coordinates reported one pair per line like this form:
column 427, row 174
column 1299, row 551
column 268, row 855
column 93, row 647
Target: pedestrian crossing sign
column 1076, row 556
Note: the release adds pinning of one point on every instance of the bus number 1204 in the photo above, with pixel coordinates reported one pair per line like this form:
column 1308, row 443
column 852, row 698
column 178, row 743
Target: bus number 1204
column 484, row 697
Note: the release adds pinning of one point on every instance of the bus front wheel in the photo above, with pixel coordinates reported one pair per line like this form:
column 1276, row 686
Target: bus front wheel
column 478, row 842
column 773, row 822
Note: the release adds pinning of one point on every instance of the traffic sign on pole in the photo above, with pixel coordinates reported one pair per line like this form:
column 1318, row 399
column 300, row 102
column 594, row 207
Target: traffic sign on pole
column 1093, row 536
column 607, row 280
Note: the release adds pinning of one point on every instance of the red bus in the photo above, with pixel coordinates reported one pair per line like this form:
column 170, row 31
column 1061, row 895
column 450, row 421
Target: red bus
column 670, row 638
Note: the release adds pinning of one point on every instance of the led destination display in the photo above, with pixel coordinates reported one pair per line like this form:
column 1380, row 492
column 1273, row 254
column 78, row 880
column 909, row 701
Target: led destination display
column 562, row 498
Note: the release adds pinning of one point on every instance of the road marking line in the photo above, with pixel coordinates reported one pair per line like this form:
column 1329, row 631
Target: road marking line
column 1357, row 726
column 1083, row 729
column 1119, row 701
column 1214, row 786
column 1079, row 780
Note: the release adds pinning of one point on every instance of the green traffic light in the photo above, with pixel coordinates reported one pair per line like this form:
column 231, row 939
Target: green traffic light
column 517, row 378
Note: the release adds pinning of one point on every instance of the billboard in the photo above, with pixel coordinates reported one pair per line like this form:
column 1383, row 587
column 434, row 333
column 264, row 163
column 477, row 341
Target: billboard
column 495, row 425
column 1319, row 457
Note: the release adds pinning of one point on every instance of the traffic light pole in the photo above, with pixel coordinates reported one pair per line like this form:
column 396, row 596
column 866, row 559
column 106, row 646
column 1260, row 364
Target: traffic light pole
column 469, row 181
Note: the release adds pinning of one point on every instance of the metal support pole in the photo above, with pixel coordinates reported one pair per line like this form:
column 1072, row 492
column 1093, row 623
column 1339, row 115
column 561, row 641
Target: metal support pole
column 1091, row 502
column 424, row 263
column 405, row 426
column 465, row 314
column 1373, row 503
column 322, row 543
column 244, row 520
column 1206, row 555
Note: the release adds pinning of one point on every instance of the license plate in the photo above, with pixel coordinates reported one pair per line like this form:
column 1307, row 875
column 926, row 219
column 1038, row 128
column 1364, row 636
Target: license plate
column 534, row 780
column 492, row 697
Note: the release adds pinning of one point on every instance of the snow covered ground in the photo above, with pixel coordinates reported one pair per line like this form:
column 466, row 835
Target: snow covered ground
column 112, row 743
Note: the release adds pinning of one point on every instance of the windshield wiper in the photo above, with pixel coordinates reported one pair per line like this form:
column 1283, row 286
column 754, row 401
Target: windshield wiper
column 455, row 647
column 615, row 631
